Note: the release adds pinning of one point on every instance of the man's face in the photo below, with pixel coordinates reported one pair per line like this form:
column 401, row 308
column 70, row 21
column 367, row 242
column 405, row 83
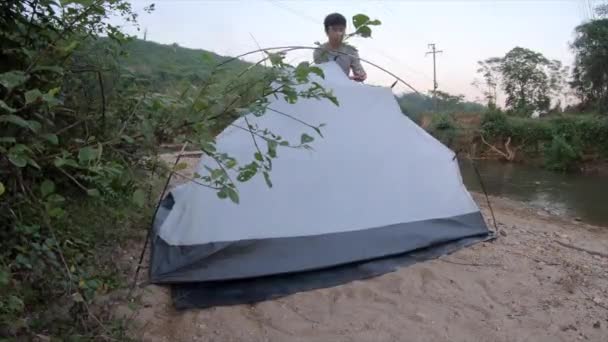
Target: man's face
column 335, row 33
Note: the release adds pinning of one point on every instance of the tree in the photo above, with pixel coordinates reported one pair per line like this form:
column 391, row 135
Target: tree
column 590, row 72
column 490, row 72
column 526, row 80
column 602, row 10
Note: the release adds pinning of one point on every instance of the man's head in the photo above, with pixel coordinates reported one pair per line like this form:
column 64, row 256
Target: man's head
column 335, row 27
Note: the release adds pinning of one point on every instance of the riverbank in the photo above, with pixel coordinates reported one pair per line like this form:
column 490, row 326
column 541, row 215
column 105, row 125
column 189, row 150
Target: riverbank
column 544, row 279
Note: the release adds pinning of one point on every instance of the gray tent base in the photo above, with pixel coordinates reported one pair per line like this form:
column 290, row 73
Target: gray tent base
column 248, row 291
column 205, row 294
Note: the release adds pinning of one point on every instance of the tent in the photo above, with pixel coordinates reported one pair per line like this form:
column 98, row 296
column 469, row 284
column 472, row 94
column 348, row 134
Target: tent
column 376, row 193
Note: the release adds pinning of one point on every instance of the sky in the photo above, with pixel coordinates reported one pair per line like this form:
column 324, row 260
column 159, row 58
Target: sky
column 466, row 32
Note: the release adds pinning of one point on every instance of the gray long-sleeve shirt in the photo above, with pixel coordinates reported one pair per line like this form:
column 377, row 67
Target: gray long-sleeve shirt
column 347, row 62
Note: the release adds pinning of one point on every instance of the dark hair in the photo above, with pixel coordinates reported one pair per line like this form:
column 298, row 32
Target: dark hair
column 334, row 19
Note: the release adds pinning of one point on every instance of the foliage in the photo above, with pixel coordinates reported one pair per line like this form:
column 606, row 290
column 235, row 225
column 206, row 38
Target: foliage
column 528, row 78
column 490, row 73
column 590, row 73
column 561, row 155
column 561, row 140
column 414, row 105
column 443, row 128
column 602, row 10
column 79, row 131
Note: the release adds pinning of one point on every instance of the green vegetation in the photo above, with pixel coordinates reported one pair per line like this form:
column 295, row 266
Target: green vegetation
column 81, row 121
column 590, row 74
column 562, row 142
column 528, row 79
column 415, row 105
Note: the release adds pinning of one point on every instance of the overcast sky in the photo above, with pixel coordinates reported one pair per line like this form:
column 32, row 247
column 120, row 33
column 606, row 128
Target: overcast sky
column 466, row 31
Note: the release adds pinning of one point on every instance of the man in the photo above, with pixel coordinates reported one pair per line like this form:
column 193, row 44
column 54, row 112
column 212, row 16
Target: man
column 336, row 50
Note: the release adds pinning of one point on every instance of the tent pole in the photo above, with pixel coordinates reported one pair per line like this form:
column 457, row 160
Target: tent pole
column 143, row 251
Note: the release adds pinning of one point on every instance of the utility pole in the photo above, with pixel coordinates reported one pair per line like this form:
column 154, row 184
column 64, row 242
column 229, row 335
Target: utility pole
column 435, row 85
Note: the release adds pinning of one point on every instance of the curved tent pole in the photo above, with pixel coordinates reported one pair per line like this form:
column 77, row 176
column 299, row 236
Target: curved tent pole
column 398, row 79
column 295, row 47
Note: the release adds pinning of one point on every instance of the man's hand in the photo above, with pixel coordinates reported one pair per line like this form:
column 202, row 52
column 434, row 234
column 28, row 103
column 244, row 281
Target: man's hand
column 360, row 77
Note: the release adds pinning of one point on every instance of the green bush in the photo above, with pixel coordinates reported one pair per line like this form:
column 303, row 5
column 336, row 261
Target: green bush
column 444, row 128
column 561, row 155
column 560, row 140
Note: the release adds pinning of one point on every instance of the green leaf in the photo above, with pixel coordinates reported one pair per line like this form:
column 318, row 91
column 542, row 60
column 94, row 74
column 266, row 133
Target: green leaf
column 74, row 44
column 55, row 212
column 14, row 303
column 47, row 187
column 217, row 173
column 2, row 189
column 50, row 98
column 18, row 159
column 375, row 22
column 232, row 194
column 318, row 71
column 318, row 130
column 180, row 167
column 267, row 179
column 6, row 107
column 51, row 68
column 247, row 172
column 32, row 95
column 19, row 121
column 230, row 163
column 93, row 192
column 276, row 59
column 364, row 31
column 272, row 148
column 86, row 154
column 5, row 277
column 128, row 139
column 13, row 79
column 55, row 198
column 33, row 163
column 305, row 139
column 139, row 198
column 8, row 140
column 302, row 71
column 77, row 297
column 52, row 138
column 259, row 157
column 222, row 194
column 360, row 20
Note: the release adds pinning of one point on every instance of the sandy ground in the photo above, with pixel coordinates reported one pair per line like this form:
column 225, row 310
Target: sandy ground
column 528, row 285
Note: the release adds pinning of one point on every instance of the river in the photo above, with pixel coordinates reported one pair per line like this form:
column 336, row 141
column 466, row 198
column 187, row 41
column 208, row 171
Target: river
column 575, row 195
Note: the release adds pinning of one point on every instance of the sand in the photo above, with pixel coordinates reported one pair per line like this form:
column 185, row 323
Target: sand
column 528, row 285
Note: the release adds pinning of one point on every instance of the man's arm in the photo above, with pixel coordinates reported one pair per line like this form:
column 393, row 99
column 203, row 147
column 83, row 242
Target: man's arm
column 358, row 70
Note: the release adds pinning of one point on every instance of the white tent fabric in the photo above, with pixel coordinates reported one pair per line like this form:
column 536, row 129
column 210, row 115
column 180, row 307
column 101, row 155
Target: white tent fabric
column 374, row 167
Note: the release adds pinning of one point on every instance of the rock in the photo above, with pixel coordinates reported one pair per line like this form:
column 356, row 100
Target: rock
column 503, row 233
column 597, row 300
column 597, row 325
column 578, row 219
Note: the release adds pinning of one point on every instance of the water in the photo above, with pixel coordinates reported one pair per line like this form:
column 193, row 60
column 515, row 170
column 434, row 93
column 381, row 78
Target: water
column 574, row 195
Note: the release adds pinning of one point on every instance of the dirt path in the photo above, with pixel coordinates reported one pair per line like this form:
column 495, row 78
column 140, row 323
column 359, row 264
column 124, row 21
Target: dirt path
column 525, row 286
